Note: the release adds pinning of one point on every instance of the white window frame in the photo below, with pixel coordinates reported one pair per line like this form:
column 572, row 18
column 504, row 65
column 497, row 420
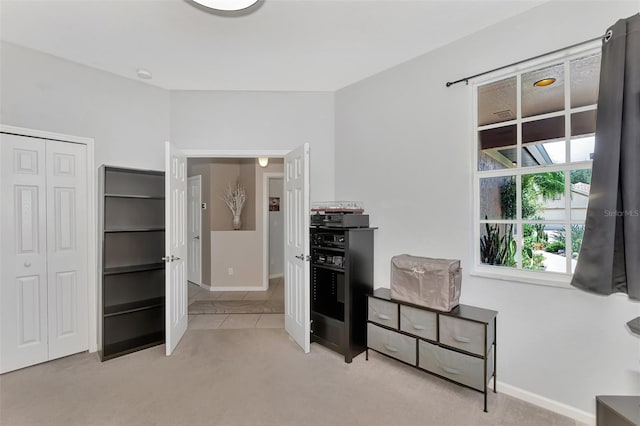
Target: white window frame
column 548, row 278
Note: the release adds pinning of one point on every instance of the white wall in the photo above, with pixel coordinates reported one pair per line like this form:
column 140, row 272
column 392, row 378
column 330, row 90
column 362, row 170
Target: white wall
column 259, row 120
column 276, row 230
column 565, row 345
column 128, row 120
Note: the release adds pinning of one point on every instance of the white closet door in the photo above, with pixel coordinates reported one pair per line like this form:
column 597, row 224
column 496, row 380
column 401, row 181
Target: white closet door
column 67, row 248
column 23, row 262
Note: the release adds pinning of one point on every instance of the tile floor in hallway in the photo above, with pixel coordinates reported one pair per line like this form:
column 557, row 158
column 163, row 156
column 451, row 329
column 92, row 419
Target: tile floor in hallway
column 236, row 321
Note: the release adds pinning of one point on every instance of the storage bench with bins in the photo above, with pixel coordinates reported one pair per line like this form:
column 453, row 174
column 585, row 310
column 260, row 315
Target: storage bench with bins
column 459, row 346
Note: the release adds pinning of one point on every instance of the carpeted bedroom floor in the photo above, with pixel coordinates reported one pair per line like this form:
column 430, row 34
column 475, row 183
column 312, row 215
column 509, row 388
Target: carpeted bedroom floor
column 243, row 369
column 247, row 377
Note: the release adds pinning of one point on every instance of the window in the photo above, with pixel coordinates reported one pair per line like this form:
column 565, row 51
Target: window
column 535, row 137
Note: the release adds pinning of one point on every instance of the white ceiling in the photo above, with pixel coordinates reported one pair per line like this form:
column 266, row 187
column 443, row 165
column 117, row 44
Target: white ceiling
column 287, row 45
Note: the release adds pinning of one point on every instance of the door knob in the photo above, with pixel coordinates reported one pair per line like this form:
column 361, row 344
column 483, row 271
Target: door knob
column 301, row 257
column 197, row 237
column 27, row 263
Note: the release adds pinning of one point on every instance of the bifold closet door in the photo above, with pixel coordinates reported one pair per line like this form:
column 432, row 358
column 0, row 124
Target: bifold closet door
column 66, row 248
column 43, row 292
column 23, row 270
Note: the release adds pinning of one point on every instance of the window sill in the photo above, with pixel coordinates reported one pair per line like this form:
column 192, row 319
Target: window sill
column 548, row 279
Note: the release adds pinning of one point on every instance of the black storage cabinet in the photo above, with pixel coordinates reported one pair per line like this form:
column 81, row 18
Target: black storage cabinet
column 341, row 280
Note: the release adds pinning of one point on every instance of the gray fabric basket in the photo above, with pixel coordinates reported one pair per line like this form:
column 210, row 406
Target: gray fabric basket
column 423, row 281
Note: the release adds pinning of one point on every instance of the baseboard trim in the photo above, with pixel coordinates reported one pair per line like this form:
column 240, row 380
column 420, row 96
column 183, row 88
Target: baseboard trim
column 549, row 404
column 246, row 288
column 280, row 275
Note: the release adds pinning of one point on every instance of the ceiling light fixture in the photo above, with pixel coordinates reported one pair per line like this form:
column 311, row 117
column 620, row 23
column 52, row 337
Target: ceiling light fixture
column 263, row 161
column 545, row 82
column 227, row 5
column 144, row 74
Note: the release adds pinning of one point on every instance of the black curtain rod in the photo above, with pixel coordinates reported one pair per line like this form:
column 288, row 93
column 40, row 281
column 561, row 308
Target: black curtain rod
column 466, row 79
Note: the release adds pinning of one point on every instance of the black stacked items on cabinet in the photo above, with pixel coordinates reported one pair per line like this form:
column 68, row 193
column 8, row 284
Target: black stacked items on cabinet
column 341, row 280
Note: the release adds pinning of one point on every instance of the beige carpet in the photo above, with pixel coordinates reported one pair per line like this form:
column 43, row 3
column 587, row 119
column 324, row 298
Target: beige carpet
column 247, row 377
column 237, row 307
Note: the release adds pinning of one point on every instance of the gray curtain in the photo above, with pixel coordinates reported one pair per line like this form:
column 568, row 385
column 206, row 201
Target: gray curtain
column 609, row 260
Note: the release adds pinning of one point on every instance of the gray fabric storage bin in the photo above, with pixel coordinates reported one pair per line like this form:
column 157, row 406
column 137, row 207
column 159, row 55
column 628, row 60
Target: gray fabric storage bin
column 423, row 281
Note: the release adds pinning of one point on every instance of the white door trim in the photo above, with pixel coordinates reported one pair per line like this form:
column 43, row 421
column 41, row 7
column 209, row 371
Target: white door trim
column 92, row 220
column 235, row 153
column 265, row 223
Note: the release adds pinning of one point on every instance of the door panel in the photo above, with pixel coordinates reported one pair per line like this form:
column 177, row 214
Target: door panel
column 67, row 232
column 297, row 280
column 29, row 328
column 176, row 246
column 194, row 236
column 23, row 263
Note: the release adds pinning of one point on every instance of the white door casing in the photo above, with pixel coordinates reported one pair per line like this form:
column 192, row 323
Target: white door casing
column 297, row 316
column 175, row 246
column 23, row 291
column 194, row 237
column 66, row 247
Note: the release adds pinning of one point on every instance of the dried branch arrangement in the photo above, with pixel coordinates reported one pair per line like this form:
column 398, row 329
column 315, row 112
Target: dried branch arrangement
column 235, row 198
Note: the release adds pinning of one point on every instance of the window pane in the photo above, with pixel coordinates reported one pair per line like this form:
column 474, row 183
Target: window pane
column 541, row 99
column 580, row 189
column 543, row 142
column 497, row 148
column 583, row 129
column 585, row 77
column 497, row 244
column 577, row 233
column 498, row 198
column 497, row 102
column 544, row 247
column 533, row 243
column 543, row 196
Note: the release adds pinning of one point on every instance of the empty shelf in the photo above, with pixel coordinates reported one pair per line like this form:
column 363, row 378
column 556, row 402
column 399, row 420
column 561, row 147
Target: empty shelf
column 133, row 268
column 144, row 197
column 127, row 308
column 109, row 231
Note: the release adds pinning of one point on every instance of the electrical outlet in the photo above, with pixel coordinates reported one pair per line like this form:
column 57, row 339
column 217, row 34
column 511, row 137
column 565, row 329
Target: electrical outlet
column 230, row 270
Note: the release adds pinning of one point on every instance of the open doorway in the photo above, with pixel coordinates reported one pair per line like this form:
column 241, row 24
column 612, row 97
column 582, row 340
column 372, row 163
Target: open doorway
column 241, row 275
column 297, row 309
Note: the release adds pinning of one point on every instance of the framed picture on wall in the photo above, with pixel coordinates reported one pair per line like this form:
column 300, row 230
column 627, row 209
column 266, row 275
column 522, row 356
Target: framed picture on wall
column 274, row 204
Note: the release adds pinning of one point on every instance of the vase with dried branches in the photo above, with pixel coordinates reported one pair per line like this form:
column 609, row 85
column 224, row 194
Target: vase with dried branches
column 235, row 199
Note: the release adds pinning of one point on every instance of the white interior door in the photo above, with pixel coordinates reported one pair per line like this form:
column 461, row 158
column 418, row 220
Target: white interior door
column 175, row 246
column 194, row 211
column 67, row 248
column 297, row 281
column 23, row 270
